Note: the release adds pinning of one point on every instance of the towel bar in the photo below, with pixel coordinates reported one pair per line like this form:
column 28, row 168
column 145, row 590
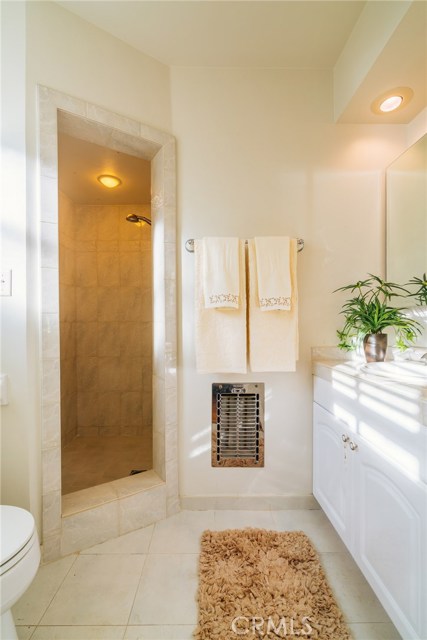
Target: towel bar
column 189, row 244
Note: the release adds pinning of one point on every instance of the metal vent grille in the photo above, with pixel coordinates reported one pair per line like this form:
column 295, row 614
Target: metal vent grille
column 237, row 419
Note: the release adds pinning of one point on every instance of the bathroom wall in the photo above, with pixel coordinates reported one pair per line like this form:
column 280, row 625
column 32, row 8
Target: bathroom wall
column 39, row 47
column 259, row 154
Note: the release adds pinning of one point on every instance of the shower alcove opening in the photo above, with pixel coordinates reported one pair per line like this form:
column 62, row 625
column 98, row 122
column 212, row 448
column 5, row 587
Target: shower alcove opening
column 93, row 315
column 105, row 315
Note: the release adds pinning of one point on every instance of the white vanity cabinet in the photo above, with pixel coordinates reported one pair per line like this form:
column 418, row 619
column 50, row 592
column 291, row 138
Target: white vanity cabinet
column 370, row 485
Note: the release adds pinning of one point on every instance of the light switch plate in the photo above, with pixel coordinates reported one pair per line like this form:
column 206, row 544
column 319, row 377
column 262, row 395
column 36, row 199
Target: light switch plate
column 6, row 282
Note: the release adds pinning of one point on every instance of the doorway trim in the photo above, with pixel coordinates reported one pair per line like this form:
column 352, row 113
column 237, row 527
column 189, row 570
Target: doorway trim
column 124, row 505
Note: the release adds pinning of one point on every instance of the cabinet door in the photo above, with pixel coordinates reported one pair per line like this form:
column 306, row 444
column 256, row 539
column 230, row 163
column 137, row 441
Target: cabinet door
column 331, row 469
column 391, row 510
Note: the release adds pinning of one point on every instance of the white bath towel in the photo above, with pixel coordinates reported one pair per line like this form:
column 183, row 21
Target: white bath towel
column 273, row 337
column 221, row 281
column 273, row 273
column 220, row 334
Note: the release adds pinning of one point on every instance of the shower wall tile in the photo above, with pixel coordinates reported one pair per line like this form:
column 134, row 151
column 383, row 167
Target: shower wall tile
column 107, row 245
column 86, row 339
column 49, row 244
column 48, row 199
column 112, row 316
column 51, row 460
column 131, row 409
column 87, row 409
column 131, row 371
column 131, row 338
column 131, row 304
column 50, row 380
column 86, row 304
column 109, row 409
column 122, row 123
column 86, row 223
column 87, row 528
column 50, row 335
column 109, row 374
column 142, row 509
column 86, row 269
column 110, row 302
column 108, row 268
column 67, row 300
column 66, row 263
column 108, row 341
column 131, row 269
column 50, row 290
column 87, row 374
column 51, row 512
column 108, row 225
column 51, row 425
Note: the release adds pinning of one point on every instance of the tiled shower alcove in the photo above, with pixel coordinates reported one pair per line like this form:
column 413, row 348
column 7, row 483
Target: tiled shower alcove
column 90, row 516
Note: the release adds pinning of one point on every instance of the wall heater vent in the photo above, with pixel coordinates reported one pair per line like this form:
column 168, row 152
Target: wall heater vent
column 237, row 425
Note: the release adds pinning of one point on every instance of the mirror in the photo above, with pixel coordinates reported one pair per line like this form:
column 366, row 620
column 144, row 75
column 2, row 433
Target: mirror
column 406, row 202
column 406, row 237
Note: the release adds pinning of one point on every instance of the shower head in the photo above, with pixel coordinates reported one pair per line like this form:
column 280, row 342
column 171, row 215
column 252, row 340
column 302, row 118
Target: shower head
column 133, row 217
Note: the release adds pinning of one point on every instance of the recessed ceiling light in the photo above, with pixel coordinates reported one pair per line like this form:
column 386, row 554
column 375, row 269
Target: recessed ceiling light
column 396, row 98
column 390, row 104
column 109, row 181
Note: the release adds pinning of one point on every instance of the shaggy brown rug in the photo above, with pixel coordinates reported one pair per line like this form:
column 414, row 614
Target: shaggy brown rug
column 264, row 584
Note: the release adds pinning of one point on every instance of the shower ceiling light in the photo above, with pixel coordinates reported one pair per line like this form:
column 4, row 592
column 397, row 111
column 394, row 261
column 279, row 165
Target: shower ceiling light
column 390, row 104
column 109, row 181
column 394, row 99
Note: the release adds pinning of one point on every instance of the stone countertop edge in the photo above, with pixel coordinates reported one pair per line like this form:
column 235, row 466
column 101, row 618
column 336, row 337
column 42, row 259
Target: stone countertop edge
column 325, row 367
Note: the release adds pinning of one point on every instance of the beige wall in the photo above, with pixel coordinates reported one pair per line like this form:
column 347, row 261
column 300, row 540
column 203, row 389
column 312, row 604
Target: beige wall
column 258, row 154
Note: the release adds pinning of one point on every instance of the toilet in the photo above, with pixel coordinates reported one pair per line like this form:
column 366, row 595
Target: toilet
column 20, row 559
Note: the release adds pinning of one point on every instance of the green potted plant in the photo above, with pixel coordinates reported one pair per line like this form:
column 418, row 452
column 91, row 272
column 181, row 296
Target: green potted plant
column 420, row 294
column 369, row 312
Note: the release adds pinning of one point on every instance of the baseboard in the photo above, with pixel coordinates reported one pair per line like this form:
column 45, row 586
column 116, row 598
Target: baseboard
column 250, row 503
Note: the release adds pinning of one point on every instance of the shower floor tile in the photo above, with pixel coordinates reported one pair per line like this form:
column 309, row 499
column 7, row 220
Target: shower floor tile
column 91, row 460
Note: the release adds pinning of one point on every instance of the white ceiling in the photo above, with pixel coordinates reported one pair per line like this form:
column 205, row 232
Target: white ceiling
column 249, row 33
column 296, row 34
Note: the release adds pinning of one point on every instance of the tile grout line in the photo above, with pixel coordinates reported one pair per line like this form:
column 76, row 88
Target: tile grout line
column 56, row 592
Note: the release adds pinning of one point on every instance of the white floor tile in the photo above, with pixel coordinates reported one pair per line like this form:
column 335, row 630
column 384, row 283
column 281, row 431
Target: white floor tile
column 24, row 633
column 160, row 632
column 374, row 631
column 315, row 525
column 133, row 542
column 79, row 633
column 167, row 592
column 142, row 585
column 242, row 519
column 30, row 608
column 98, row 591
column 354, row 595
column 181, row 533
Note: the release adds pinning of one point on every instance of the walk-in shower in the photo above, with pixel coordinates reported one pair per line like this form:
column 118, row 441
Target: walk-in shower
column 105, row 319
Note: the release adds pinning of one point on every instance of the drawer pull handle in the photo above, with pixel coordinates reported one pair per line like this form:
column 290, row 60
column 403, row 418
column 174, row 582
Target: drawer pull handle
column 345, row 438
column 353, row 446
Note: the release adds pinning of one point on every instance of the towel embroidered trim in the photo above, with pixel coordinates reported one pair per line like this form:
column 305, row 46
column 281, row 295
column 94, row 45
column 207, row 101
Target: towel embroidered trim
column 273, row 302
column 224, row 297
